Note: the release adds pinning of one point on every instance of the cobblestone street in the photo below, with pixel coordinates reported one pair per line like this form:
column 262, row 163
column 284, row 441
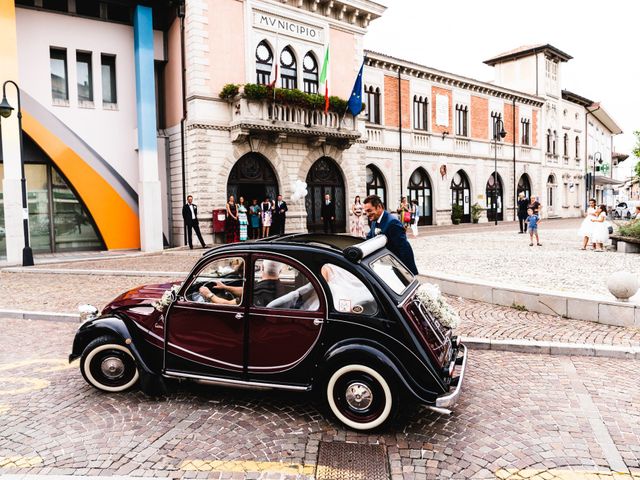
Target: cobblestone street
column 521, row 416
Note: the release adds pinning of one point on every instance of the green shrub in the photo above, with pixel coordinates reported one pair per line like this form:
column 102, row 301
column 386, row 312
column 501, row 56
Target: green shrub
column 456, row 212
column 229, row 91
column 476, row 211
column 630, row 229
column 338, row 105
column 253, row 91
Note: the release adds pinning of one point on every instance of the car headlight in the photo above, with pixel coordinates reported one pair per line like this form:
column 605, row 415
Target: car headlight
column 87, row 312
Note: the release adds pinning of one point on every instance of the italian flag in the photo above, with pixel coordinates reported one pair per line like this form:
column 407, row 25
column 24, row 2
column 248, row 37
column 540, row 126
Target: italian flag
column 323, row 79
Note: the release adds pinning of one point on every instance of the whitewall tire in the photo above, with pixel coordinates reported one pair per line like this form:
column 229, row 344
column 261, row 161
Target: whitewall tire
column 108, row 366
column 361, row 397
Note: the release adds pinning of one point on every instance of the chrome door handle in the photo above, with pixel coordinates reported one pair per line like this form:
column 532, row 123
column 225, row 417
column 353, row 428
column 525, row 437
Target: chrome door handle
column 318, row 321
column 239, row 316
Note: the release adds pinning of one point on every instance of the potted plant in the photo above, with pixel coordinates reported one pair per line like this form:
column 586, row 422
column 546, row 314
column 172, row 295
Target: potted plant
column 476, row 211
column 456, row 213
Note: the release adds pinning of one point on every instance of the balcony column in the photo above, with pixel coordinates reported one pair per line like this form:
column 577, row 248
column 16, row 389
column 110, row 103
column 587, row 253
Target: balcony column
column 150, row 200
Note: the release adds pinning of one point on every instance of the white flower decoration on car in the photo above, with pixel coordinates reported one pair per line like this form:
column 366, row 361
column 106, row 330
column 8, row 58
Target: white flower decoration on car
column 430, row 296
column 377, row 231
column 168, row 297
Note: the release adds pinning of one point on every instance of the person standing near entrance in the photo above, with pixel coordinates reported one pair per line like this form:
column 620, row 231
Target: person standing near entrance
column 190, row 217
column 254, row 219
column 328, row 214
column 523, row 202
column 383, row 223
column 231, row 226
column 279, row 216
column 266, row 209
column 357, row 218
column 243, row 220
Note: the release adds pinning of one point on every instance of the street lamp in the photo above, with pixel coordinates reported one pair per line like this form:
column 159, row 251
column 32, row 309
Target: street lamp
column 597, row 157
column 498, row 134
column 5, row 112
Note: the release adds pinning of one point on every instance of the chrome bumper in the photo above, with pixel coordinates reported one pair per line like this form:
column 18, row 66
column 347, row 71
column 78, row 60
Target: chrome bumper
column 451, row 398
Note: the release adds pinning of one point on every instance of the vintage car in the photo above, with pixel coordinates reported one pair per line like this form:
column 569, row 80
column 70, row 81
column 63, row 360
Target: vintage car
column 328, row 313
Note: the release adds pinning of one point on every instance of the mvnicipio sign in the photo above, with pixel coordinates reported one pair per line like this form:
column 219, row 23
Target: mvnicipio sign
column 287, row 27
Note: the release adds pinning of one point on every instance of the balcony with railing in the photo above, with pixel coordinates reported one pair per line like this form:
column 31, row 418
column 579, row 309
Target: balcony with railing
column 277, row 121
column 461, row 145
column 421, row 140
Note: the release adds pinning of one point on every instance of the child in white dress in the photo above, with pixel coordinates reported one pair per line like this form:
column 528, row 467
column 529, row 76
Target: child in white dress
column 600, row 232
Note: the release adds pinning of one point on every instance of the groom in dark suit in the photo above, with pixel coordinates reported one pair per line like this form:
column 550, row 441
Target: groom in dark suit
column 190, row 217
column 383, row 223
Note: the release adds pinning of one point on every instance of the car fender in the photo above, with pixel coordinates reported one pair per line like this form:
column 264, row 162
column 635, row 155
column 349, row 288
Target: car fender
column 363, row 350
column 108, row 325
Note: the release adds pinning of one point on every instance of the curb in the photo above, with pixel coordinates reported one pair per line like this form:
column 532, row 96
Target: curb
column 476, row 343
column 115, row 273
column 552, row 348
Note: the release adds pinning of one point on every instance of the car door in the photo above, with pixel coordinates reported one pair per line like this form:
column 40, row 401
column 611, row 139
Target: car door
column 287, row 310
column 205, row 327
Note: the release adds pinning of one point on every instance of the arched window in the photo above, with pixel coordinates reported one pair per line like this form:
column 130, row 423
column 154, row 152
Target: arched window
column 310, row 73
column 461, row 194
column 420, row 113
column 551, row 185
column 493, row 192
column 495, row 116
column 577, row 147
column 554, row 143
column 566, row 145
column 264, row 63
column 288, row 69
column 373, row 104
column 420, row 190
column 548, row 141
column 524, row 127
column 375, row 183
column 462, row 114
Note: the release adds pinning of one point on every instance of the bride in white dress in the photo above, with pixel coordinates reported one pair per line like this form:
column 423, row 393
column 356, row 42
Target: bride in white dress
column 586, row 228
column 600, row 230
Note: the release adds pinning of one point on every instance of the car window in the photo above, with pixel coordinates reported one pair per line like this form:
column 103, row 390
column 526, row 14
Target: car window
column 282, row 286
column 221, row 281
column 348, row 292
column 392, row 272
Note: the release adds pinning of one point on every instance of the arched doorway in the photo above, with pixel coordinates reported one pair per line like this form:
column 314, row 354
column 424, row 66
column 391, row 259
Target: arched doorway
column 524, row 185
column 420, row 190
column 252, row 177
column 494, row 198
column 461, row 194
column 376, row 184
column 324, row 177
column 551, row 193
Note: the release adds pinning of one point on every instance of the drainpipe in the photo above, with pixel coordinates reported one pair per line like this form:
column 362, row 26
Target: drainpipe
column 586, row 155
column 400, row 130
column 515, row 192
column 181, row 14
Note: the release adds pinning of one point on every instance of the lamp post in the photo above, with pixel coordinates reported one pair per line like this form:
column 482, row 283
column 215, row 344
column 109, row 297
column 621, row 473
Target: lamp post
column 5, row 111
column 498, row 134
column 597, row 157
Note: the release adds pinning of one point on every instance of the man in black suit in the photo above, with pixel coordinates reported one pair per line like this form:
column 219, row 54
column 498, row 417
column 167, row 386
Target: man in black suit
column 383, row 223
column 328, row 214
column 279, row 216
column 190, row 217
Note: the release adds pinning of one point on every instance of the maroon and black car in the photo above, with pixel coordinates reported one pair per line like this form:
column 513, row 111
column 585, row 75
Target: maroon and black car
column 300, row 312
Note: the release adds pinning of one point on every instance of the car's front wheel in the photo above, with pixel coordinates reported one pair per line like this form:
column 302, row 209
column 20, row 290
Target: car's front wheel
column 361, row 397
column 108, row 365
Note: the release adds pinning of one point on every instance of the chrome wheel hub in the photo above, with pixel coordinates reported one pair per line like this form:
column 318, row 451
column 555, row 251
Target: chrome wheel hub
column 112, row 367
column 359, row 396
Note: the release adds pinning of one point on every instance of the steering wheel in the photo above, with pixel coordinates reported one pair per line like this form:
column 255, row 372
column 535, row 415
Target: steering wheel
column 219, row 291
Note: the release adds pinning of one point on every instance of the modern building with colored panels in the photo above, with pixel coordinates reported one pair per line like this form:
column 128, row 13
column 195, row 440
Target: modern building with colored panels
column 91, row 76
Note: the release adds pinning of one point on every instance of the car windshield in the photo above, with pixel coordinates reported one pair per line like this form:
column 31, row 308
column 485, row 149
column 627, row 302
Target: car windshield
column 392, row 272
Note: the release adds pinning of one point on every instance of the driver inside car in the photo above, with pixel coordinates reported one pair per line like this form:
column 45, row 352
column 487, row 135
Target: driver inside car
column 268, row 288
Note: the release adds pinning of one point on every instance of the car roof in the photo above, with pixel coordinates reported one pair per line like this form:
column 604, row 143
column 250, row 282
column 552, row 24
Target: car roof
column 322, row 242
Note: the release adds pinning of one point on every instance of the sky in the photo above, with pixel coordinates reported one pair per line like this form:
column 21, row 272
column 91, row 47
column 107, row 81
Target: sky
column 457, row 37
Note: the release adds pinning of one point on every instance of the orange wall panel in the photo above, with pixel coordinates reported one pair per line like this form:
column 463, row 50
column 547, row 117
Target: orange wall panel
column 342, row 69
column 226, row 30
column 479, row 118
column 534, row 128
column 391, row 102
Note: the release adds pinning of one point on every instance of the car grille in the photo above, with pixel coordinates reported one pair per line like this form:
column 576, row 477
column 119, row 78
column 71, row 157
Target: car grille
column 436, row 337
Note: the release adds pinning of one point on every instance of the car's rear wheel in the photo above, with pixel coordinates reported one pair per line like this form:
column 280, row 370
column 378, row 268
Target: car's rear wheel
column 108, row 365
column 361, row 397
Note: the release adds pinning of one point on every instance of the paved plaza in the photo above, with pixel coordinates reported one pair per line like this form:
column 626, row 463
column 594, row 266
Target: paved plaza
column 520, row 416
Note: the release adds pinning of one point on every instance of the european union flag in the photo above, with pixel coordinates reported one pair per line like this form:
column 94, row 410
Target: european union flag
column 355, row 100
